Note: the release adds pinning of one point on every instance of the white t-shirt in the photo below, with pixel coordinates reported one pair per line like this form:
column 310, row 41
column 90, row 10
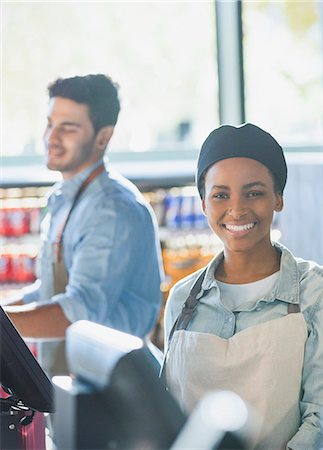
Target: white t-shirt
column 234, row 295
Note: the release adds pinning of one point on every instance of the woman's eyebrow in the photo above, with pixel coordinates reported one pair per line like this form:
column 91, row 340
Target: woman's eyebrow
column 245, row 187
column 220, row 186
column 253, row 184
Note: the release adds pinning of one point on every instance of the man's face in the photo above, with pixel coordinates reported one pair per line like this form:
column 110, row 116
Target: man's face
column 69, row 137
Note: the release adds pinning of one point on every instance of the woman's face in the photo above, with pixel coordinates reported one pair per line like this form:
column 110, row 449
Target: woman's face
column 239, row 203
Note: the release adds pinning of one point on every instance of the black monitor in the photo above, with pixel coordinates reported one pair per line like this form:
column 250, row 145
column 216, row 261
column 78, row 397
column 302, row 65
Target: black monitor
column 114, row 398
column 19, row 370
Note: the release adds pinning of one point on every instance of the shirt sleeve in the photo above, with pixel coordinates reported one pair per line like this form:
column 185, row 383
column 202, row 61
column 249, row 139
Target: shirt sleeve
column 177, row 296
column 31, row 293
column 310, row 433
column 168, row 319
column 114, row 277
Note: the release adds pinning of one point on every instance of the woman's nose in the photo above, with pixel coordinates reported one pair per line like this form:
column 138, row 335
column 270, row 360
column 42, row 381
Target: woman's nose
column 237, row 209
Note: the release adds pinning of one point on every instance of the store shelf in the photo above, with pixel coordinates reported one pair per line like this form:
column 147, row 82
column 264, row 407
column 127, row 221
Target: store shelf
column 146, row 169
column 167, row 181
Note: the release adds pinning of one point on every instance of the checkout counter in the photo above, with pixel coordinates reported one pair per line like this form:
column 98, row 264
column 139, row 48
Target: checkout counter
column 114, row 399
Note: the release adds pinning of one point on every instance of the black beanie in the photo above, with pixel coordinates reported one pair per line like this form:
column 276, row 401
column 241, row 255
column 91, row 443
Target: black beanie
column 244, row 141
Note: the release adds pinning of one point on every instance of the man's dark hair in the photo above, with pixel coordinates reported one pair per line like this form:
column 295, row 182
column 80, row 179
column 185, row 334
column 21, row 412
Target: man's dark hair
column 98, row 92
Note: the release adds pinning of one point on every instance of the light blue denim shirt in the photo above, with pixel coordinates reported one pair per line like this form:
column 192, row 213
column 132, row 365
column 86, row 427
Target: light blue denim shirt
column 300, row 282
column 111, row 252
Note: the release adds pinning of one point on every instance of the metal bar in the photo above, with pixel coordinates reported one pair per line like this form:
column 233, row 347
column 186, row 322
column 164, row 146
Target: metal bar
column 230, row 61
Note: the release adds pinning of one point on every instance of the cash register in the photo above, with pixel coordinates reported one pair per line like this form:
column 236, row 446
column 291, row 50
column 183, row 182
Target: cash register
column 25, row 391
column 114, row 399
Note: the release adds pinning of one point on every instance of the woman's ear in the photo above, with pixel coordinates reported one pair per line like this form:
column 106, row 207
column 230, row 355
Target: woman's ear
column 203, row 207
column 279, row 202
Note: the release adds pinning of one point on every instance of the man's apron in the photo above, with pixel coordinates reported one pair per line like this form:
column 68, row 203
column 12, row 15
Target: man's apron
column 262, row 364
column 52, row 352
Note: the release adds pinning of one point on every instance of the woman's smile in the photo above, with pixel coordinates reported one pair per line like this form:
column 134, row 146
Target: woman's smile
column 239, row 230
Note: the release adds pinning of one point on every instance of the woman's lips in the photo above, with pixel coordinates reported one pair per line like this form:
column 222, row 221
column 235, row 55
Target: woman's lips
column 239, row 229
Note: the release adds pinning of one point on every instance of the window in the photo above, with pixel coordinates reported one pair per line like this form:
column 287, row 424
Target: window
column 162, row 54
column 283, row 64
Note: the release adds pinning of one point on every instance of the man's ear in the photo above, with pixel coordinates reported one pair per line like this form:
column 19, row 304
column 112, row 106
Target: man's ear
column 279, row 203
column 103, row 137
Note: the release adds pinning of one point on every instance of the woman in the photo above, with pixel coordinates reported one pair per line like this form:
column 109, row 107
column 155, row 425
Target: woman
column 252, row 320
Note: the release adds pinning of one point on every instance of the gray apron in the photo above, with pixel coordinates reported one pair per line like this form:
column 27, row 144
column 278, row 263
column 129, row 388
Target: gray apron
column 262, row 364
column 52, row 352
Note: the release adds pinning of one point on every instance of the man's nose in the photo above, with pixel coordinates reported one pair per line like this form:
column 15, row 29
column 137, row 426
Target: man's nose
column 52, row 134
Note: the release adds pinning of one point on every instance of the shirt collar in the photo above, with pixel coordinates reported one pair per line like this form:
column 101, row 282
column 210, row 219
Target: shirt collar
column 69, row 188
column 209, row 280
column 288, row 285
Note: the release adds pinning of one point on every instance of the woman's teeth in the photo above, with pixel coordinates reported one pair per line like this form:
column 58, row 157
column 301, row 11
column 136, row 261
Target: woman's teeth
column 245, row 227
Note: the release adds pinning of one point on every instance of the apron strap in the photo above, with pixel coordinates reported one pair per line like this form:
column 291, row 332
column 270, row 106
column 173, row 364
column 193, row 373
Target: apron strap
column 191, row 302
column 188, row 309
column 293, row 308
column 184, row 318
column 189, row 306
column 85, row 183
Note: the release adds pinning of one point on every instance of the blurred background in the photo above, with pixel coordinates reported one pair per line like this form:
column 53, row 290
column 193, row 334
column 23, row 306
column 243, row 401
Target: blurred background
column 183, row 69
column 164, row 57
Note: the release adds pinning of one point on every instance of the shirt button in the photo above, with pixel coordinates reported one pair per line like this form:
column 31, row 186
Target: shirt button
column 230, row 319
column 258, row 309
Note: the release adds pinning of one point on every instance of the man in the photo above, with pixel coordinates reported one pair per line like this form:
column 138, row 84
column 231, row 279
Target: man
column 100, row 257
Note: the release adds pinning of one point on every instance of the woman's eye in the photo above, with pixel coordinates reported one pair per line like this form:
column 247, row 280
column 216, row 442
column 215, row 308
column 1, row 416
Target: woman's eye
column 220, row 195
column 255, row 194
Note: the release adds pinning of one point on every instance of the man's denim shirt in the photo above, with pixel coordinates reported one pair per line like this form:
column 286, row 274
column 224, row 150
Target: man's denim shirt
column 300, row 282
column 111, row 252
